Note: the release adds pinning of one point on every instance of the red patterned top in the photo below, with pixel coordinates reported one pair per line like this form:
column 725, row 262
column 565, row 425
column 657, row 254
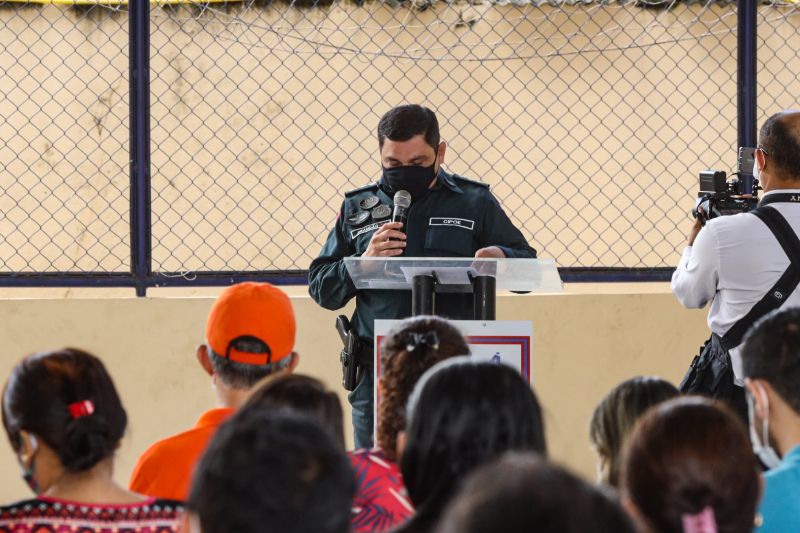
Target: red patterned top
column 380, row 502
column 48, row 515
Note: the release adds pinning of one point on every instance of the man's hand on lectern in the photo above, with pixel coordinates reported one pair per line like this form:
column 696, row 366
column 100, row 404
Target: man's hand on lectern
column 490, row 252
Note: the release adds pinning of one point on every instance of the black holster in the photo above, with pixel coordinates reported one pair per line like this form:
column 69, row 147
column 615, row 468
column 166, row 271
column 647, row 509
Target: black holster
column 352, row 353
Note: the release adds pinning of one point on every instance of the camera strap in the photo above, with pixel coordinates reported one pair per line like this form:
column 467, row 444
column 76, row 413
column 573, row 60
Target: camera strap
column 784, row 287
column 772, row 198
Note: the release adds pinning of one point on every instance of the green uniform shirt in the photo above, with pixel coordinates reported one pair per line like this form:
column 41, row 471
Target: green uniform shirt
column 430, row 232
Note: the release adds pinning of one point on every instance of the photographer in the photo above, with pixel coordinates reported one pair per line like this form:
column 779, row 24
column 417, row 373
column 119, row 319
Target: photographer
column 741, row 263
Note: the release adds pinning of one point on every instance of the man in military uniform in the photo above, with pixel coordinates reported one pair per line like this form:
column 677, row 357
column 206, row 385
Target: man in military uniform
column 450, row 216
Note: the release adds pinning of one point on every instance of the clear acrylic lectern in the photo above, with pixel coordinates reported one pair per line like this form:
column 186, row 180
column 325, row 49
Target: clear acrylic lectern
column 425, row 276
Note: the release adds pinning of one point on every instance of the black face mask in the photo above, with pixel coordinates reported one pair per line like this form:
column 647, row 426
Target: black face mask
column 414, row 179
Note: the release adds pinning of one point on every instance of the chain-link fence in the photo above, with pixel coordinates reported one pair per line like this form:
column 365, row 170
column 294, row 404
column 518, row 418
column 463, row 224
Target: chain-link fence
column 590, row 121
column 778, row 58
column 63, row 139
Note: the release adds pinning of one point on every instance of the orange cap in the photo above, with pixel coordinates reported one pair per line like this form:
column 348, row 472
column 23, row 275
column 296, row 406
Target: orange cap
column 250, row 309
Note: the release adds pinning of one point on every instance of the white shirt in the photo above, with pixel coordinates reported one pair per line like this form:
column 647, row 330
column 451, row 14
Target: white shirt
column 735, row 260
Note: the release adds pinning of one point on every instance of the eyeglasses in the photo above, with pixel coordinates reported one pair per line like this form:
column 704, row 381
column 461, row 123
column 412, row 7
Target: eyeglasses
column 763, row 150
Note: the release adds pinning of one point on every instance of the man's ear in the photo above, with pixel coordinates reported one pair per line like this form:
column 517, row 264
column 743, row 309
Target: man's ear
column 295, row 360
column 756, row 390
column 760, row 159
column 440, row 153
column 204, row 358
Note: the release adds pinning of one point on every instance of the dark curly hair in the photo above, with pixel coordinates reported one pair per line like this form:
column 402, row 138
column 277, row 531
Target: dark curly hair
column 402, row 369
column 37, row 399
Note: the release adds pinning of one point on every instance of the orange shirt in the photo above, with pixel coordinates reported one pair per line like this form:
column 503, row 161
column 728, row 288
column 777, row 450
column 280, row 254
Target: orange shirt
column 165, row 470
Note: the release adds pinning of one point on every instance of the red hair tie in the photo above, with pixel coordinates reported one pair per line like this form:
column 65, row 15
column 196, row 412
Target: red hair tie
column 80, row 409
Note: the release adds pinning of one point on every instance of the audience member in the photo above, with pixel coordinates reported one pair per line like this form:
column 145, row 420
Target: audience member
column 688, row 468
column 407, row 352
column 771, row 365
column 271, row 472
column 521, row 492
column 64, row 419
column 250, row 334
column 463, row 413
column 303, row 394
column 615, row 415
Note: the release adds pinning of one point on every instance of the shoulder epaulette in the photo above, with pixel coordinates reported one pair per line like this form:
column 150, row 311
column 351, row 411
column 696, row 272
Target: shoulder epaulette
column 462, row 179
column 365, row 188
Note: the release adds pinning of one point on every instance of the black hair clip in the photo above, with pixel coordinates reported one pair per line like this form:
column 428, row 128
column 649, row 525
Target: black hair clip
column 428, row 340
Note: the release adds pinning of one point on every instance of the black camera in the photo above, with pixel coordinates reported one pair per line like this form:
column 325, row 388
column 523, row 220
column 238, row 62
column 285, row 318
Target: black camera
column 720, row 196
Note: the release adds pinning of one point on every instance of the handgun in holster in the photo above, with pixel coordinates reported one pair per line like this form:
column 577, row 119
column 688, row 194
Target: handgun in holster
column 350, row 352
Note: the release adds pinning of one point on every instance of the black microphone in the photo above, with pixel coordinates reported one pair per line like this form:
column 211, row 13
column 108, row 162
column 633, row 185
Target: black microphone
column 402, row 201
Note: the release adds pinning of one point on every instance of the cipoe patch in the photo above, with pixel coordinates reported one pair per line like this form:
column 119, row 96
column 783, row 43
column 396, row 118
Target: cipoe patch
column 462, row 223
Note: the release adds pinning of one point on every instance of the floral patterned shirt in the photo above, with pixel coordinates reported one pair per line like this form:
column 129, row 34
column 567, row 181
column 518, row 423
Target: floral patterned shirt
column 380, row 502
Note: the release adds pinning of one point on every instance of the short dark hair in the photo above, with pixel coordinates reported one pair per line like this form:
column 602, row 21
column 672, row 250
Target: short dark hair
column 616, row 414
column 273, row 471
column 407, row 121
column 303, row 394
column 244, row 376
column 462, row 413
column 402, row 369
column 523, row 492
column 780, row 137
column 688, row 454
column 37, row 397
column 771, row 352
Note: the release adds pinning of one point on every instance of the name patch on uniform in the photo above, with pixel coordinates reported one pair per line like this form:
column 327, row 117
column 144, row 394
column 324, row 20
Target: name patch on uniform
column 366, row 229
column 457, row 222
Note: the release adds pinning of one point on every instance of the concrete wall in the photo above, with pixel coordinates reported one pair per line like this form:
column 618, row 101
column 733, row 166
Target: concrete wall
column 586, row 341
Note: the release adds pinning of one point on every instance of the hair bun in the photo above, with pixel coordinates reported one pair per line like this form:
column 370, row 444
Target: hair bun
column 87, row 442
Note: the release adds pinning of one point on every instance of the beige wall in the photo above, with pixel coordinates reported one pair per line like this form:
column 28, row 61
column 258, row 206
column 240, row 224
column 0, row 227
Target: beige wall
column 585, row 341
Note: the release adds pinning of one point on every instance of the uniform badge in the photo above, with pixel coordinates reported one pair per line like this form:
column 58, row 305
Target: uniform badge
column 369, row 202
column 357, row 218
column 382, row 211
column 462, row 223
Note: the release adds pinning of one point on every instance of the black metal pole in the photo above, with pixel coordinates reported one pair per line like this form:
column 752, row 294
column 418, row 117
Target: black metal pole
column 423, row 295
column 746, row 79
column 484, row 290
column 141, row 236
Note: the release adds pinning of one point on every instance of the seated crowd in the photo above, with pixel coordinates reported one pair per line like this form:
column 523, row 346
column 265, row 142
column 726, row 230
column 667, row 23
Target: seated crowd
column 461, row 443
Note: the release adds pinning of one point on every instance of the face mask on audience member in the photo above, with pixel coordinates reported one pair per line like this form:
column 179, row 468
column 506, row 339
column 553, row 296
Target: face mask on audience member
column 761, row 446
column 414, row 179
column 28, row 472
